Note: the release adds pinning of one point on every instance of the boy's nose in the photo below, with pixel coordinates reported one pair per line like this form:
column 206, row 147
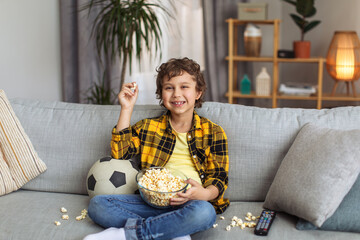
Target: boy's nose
column 176, row 92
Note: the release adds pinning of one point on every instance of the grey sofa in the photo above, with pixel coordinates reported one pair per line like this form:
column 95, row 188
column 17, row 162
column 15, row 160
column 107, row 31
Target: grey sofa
column 69, row 138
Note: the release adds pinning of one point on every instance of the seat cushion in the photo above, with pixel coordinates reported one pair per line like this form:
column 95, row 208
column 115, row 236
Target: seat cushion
column 283, row 227
column 31, row 215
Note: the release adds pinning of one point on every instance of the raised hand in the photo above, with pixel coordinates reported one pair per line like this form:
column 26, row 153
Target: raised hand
column 128, row 95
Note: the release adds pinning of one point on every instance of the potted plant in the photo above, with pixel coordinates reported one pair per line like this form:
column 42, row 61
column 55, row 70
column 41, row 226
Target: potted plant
column 305, row 9
column 124, row 27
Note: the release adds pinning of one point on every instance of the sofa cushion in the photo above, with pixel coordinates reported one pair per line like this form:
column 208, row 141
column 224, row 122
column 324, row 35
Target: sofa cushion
column 31, row 215
column 346, row 218
column 34, row 219
column 316, row 174
column 18, row 151
column 283, row 227
column 70, row 137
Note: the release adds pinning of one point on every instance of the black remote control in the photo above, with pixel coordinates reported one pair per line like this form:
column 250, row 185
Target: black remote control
column 264, row 223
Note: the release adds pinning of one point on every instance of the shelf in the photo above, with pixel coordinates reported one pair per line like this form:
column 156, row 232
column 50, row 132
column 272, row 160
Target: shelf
column 260, row 22
column 271, row 59
column 297, row 97
column 233, row 57
column 339, row 97
column 237, row 94
column 325, row 97
column 251, row 59
column 302, row 60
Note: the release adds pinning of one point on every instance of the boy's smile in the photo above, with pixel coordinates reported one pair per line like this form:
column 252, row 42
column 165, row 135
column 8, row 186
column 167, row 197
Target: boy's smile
column 179, row 94
column 178, row 104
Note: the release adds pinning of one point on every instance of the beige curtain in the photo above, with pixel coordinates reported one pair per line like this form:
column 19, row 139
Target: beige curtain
column 216, row 46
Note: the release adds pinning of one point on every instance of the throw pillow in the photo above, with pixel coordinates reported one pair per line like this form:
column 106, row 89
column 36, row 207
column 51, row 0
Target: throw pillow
column 22, row 160
column 317, row 172
column 7, row 184
column 346, row 218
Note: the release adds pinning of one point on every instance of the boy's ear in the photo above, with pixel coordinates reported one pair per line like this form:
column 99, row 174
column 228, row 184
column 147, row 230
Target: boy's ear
column 198, row 95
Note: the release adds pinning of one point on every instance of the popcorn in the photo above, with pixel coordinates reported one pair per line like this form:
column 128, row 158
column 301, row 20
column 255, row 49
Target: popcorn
column 160, row 180
column 215, row 225
column 243, row 226
column 133, row 87
column 84, row 212
column 238, row 222
column 66, row 217
column 82, row 216
column 251, row 225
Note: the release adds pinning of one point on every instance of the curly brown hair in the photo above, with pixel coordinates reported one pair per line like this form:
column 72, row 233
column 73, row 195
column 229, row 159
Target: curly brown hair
column 176, row 67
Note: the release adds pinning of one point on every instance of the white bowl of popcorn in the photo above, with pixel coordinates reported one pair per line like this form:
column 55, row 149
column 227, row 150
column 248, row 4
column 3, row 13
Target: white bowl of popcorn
column 157, row 185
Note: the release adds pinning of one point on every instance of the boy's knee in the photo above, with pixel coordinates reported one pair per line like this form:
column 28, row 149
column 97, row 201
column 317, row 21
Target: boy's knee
column 205, row 212
column 94, row 205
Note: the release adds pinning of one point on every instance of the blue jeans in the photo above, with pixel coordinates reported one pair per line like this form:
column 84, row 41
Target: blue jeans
column 142, row 221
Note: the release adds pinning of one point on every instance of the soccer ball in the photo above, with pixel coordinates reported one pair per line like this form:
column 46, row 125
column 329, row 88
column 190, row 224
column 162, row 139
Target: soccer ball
column 112, row 176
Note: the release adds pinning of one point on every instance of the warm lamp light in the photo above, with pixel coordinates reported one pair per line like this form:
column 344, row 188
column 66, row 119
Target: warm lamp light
column 343, row 59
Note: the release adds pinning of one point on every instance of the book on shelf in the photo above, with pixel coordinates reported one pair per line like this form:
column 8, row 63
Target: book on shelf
column 297, row 89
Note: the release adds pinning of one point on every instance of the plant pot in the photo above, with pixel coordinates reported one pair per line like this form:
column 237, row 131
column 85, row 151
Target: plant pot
column 302, row 49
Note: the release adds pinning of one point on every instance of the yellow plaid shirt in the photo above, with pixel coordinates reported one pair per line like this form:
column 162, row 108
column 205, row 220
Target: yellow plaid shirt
column 154, row 140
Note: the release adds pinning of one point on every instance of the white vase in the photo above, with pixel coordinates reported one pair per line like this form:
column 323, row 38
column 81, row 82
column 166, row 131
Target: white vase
column 263, row 83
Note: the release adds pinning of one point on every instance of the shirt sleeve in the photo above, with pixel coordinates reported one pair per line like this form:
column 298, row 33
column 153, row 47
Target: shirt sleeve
column 125, row 144
column 218, row 163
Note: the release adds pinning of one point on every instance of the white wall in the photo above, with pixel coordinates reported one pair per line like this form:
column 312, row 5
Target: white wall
column 30, row 49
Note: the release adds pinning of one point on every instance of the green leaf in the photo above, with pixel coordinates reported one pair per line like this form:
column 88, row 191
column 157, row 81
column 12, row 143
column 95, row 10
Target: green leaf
column 311, row 13
column 118, row 22
column 311, row 25
column 304, row 7
column 300, row 22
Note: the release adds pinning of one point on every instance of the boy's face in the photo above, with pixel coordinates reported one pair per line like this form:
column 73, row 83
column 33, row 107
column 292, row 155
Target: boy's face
column 179, row 94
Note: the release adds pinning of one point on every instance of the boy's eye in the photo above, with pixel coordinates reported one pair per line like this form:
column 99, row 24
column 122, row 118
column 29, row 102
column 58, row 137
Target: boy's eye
column 184, row 86
column 168, row 88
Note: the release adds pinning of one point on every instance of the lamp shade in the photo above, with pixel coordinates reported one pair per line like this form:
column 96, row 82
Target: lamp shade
column 343, row 57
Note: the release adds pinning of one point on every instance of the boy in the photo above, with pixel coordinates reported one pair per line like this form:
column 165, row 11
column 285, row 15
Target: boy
column 178, row 139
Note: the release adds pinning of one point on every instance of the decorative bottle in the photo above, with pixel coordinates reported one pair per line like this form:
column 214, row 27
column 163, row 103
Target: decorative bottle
column 245, row 85
column 252, row 40
column 263, row 83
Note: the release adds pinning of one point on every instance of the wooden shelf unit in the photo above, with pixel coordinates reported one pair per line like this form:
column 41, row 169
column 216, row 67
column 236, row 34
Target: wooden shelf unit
column 233, row 57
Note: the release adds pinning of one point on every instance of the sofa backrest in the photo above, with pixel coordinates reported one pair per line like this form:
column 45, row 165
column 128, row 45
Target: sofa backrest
column 70, row 137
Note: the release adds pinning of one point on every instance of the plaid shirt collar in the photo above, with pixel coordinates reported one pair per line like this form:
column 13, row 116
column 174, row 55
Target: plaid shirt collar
column 196, row 124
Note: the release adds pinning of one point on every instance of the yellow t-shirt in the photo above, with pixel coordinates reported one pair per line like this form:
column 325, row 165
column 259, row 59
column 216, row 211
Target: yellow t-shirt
column 180, row 158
